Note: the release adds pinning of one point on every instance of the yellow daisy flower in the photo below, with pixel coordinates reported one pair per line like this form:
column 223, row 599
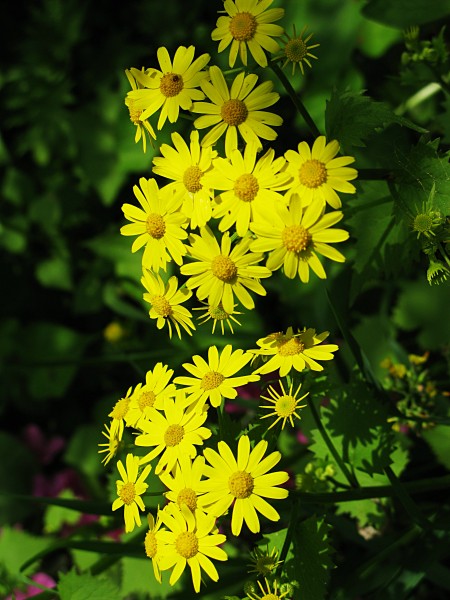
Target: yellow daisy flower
column 249, row 186
column 171, row 88
column 143, row 127
column 264, row 562
column 220, row 272
column 236, row 109
column 129, row 489
column 244, row 482
column 157, row 225
column 272, row 594
column 295, row 236
column 187, row 165
column 174, row 433
column 318, row 175
column 191, row 540
column 283, row 406
column 152, row 394
column 248, row 25
column 294, row 351
column 297, row 51
column 111, row 446
column 217, row 315
column 183, row 483
column 118, row 415
column 154, row 545
column 165, row 300
column 213, row 380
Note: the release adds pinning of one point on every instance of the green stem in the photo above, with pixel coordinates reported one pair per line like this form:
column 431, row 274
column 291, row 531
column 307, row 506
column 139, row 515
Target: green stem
column 295, row 99
column 289, row 536
column 326, row 438
column 375, row 491
column 404, row 498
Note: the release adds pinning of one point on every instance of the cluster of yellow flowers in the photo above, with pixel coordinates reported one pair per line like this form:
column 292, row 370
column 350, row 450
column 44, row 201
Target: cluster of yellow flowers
column 217, row 219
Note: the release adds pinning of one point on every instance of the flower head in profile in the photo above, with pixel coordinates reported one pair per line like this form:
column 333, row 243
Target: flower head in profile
column 173, row 87
column 294, row 351
column 238, row 109
column 217, row 315
column 243, row 482
column 248, row 25
column 191, row 540
column 111, row 446
column 248, row 187
column 296, row 235
column 154, row 545
column 118, row 415
column 143, row 127
column 215, row 379
column 273, row 593
column 183, row 483
column 129, row 491
column 150, row 394
column 173, row 432
column 158, row 225
column 186, row 166
column 318, row 175
column 165, row 300
column 283, row 406
column 297, row 51
column 222, row 272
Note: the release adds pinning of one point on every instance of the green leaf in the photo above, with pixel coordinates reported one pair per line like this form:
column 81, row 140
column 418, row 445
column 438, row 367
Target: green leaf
column 54, row 273
column 16, row 547
column 439, row 439
column 358, row 427
column 351, row 118
column 419, row 170
column 57, row 516
column 81, row 587
column 82, row 450
column 313, row 562
column 402, row 13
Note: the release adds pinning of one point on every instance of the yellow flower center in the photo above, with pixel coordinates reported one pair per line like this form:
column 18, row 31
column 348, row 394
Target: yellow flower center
column 146, row 399
column 296, row 238
column 270, row 597
column 171, row 84
column 246, row 187
column 217, row 313
column 120, row 408
column 155, row 226
column 296, row 50
column 234, row 112
column 211, row 380
column 151, row 545
column 224, row 268
column 241, row 484
column 128, row 493
column 285, row 406
column 312, row 173
column 422, row 223
column 174, row 434
column 161, row 306
column 191, row 179
column 290, row 347
column 186, row 544
column 265, row 565
column 135, row 113
column 188, row 497
column 243, row 26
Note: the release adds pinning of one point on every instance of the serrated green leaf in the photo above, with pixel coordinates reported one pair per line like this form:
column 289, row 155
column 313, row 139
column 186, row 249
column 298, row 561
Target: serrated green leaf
column 312, row 562
column 402, row 13
column 357, row 425
column 351, row 118
column 419, row 170
column 82, row 587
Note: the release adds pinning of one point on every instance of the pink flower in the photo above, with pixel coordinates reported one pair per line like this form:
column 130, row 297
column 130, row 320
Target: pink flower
column 44, row 449
column 32, row 590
